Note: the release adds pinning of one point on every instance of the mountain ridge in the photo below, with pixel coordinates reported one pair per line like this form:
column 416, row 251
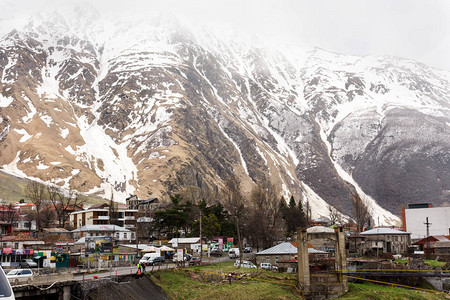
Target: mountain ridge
column 155, row 108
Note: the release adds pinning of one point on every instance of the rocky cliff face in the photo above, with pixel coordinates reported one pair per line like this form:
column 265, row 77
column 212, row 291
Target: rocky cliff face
column 153, row 106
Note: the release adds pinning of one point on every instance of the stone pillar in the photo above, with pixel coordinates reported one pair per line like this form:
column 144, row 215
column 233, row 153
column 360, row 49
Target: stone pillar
column 303, row 260
column 66, row 293
column 341, row 258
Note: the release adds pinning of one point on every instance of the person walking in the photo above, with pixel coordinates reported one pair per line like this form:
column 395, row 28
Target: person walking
column 139, row 268
column 143, row 267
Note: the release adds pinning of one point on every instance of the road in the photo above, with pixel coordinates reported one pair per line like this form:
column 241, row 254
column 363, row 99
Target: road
column 133, row 270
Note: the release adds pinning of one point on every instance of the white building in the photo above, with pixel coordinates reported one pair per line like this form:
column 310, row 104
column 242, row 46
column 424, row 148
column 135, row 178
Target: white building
column 118, row 233
column 414, row 219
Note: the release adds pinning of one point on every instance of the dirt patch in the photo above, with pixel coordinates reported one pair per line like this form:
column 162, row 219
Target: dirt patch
column 137, row 289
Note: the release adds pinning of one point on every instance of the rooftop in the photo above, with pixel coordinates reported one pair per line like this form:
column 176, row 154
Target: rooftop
column 193, row 240
column 319, row 229
column 106, row 228
column 381, row 230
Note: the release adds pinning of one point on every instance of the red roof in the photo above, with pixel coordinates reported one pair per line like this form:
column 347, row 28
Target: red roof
column 432, row 239
column 19, row 237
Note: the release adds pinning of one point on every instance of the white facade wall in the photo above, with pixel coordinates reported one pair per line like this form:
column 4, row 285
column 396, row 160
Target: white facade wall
column 439, row 217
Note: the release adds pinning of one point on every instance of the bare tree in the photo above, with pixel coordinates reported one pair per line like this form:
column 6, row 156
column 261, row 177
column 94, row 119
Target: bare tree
column 112, row 211
column 47, row 215
column 195, row 194
column 234, row 201
column 335, row 215
column 308, row 211
column 361, row 212
column 36, row 193
column 265, row 224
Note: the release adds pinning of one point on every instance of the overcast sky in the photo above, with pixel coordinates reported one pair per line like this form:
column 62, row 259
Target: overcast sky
column 407, row 28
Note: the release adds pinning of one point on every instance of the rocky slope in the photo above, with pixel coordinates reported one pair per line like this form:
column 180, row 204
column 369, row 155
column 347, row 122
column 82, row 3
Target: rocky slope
column 151, row 106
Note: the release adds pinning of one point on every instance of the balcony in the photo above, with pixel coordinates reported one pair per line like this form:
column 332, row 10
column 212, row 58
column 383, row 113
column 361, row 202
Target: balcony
column 101, row 218
column 129, row 218
column 128, row 226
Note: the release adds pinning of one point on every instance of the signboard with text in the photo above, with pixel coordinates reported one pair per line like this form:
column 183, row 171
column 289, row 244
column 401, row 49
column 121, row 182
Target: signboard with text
column 180, row 255
column 98, row 244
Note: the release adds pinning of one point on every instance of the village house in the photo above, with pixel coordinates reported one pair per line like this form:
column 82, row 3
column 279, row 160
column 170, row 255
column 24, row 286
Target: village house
column 99, row 215
column 133, row 202
column 14, row 248
column 385, row 240
column 430, row 242
column 442, row 247
column 118, row 233
column 285, row 252
column 319, row 238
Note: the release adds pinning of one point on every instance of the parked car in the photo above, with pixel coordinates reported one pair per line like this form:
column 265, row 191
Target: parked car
column 216, row 252
column 27, row 263
column 233, row 253
column 245, row 264
column 155, row 261
column 195, row 261
column 248, row 249
column 6, row 292
column 186, row 257
column 147, row 257
column 267, row 266
column 17, row 276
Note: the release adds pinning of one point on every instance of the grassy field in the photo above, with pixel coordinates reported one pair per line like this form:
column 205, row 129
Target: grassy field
column 204, row 283
column 435, row 263
column 201, row 283
column 11, row 187
column 368, row 291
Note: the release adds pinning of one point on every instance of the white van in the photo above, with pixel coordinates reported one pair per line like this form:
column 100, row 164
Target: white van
column 233, row 253
column 6, row 292
column 245, row 264
column 147, row 256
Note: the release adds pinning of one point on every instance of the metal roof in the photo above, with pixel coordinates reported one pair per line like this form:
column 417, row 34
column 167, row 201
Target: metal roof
column 287, row 248
column 192, row 240
column 283, row 248
column 107, row 228
column 319, row 229
column 376, row 231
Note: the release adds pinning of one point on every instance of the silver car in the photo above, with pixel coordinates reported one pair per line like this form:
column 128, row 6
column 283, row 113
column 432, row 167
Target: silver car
column 18, row 276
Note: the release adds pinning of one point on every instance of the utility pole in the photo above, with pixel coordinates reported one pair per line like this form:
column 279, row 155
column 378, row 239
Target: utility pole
column 201, row 243
column 428, row 224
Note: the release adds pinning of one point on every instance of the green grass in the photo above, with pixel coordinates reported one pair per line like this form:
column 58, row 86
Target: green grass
column 192, row 284
column 435, row 263
column 401, row 261
column 369, row 291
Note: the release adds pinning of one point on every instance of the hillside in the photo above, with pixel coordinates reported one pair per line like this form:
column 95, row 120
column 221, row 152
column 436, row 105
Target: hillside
column 150, row 106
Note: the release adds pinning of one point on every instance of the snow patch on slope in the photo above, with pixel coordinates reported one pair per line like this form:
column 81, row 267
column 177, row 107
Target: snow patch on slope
column 118, row 167
column 377, row 212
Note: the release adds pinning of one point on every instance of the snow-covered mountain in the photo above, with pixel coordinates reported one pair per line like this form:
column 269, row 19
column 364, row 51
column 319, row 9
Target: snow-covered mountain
column 149, row 106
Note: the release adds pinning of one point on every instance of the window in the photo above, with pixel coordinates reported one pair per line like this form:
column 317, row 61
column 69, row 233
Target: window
column 125, row 235
column 132, row 235
column 117, row 235
column 16, row 245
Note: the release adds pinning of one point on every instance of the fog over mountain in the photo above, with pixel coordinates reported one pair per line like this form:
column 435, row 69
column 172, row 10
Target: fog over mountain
column 105, row 105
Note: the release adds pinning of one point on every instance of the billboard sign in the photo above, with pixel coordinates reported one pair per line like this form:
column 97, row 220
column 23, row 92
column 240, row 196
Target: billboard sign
column 230, row 243
column 180, row 255
column 98, row 244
